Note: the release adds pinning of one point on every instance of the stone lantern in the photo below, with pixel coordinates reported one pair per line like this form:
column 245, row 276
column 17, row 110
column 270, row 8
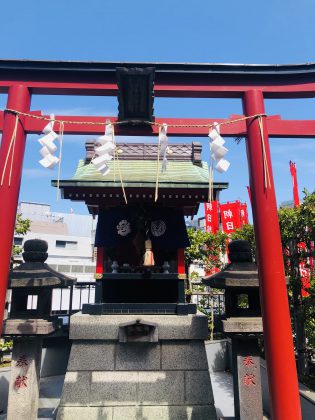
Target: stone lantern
column 29, row 321
column 243, row 324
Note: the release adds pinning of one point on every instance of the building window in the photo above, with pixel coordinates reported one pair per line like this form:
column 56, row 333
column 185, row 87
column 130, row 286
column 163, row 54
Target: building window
column 67, row 244
column 18, row 241
column 64, row 268
column 77, row 269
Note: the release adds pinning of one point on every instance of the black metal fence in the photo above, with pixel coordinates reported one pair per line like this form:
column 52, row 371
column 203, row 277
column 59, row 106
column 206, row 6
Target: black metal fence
column 68, row 301
column 210, row 302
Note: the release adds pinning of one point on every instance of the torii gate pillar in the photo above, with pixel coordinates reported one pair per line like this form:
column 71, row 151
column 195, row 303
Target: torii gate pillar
column 19, row 98
column 282, row 376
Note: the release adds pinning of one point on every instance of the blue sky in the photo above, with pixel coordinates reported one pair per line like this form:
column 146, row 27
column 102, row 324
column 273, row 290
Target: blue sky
column 275, row 31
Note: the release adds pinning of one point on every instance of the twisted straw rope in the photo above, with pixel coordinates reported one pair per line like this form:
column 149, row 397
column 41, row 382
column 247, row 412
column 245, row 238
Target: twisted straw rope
column 210, row 125
column 62, row 122
column 12, row 144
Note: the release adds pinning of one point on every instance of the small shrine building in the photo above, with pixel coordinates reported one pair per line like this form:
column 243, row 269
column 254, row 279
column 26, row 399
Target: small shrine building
column 137, row 202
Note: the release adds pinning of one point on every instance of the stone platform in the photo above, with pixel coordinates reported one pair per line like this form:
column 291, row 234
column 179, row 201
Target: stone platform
column 137, row 367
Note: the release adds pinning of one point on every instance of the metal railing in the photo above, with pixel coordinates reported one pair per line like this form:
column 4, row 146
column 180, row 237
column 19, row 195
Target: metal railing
column 66, row 302
column 213, row 305
column 210, row 302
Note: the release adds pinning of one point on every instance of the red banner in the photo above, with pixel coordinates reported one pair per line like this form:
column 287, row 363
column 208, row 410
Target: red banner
column 244, row 214
column 305, row 271
column 212, row 217
column 305, row 275
column 230, row 216
column 296, row 197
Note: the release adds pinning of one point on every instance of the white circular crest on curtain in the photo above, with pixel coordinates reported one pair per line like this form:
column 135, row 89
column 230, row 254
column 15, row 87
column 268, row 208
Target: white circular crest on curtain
column 123, row 228
column 158, row 227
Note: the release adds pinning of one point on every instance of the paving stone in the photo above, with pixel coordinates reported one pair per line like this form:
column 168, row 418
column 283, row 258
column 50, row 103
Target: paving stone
column 184, row 355
column 113, row 388
column 85, row 413
column 198, row 388
column 91, row 355
column 138, row 356
column 161, row 388
column 196, row 412
column 204, row 412
column 170, row 327
column 76, row 389
column 139, row 413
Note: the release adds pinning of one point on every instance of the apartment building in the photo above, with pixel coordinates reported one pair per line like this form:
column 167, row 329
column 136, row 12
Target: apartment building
column 70, row 239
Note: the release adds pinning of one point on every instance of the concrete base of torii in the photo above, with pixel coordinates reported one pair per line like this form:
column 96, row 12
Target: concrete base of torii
column 137, row 367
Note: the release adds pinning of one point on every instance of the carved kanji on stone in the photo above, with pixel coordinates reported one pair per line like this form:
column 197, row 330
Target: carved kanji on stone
column 248, row 361
column 249, row 380
column 20, row 381
column 22, row 361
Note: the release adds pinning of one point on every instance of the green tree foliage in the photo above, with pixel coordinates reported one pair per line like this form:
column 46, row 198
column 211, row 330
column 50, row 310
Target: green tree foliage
column 247, row 234
column 206, row 248
column 22, row 226
column 297, row 225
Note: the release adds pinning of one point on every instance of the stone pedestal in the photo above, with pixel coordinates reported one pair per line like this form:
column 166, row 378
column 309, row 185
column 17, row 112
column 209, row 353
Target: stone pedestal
column 24, row 382
column 246, row 379
column 244, row 333
column 137, row 367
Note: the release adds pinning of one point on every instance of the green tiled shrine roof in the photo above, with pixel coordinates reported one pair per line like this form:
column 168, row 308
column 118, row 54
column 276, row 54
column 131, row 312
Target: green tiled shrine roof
column 145, row 171
column 138, row 167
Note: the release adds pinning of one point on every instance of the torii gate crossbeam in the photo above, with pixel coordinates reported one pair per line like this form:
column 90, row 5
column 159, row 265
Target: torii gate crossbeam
column 252, row 83
column 277, row 128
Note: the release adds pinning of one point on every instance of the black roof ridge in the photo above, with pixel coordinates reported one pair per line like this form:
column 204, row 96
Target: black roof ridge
column 160, row 67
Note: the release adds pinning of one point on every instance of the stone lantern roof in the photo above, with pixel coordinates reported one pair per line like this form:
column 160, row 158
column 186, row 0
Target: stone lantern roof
column 240, row 272
column 34, row 272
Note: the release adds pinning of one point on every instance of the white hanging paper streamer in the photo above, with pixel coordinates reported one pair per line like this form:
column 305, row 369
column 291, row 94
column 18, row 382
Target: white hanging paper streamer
column 222, row 165
column 50, row 126
column 49, row 161
column 218, row 151
column 164, row 164
column 214, row 132
column 106, row 151
column 163, row 141
column 48, row 141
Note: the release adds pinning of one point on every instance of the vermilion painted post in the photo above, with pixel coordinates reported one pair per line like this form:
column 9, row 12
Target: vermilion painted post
column 19, row 99
column 99, row 269
column 282, row 375
column 181, row 261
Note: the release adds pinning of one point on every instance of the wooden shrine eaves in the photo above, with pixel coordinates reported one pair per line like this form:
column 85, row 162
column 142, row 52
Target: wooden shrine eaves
column 148, row 151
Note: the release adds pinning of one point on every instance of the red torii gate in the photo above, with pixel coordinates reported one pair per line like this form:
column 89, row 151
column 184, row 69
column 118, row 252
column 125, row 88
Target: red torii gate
column 252, row 83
